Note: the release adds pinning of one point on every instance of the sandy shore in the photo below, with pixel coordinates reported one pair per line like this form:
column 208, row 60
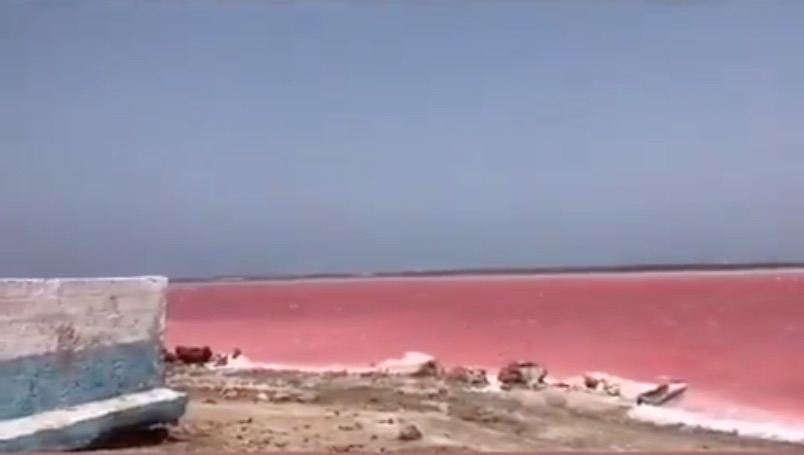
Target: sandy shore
column 370, row 412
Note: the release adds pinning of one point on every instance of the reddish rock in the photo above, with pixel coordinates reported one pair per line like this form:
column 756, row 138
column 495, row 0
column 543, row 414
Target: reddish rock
column 468, row 376
column 428, row 369
column 194, row 355
column 220, row 360
column 168, row 357
column 522, row 374
column 590, row 382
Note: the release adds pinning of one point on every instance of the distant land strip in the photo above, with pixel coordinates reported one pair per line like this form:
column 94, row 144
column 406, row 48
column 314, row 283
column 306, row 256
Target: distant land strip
column 635, row 268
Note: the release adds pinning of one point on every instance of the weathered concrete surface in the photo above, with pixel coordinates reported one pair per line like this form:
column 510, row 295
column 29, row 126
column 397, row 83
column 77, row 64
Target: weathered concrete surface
column 80, row 343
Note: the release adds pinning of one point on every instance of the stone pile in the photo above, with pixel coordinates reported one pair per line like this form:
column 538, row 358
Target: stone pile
column 520, row 374
column 197, row 355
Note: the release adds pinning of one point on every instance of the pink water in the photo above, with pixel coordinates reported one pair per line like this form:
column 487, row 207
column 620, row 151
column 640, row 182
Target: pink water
column 737, row 338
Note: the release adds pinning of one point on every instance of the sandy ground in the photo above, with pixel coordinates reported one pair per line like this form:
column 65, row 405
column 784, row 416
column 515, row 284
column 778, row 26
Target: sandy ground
column 293, row 411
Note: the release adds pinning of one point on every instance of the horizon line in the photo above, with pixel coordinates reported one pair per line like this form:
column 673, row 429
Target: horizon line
column 497, row 271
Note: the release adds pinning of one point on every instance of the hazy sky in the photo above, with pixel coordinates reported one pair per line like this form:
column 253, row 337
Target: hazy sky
column 197, row 138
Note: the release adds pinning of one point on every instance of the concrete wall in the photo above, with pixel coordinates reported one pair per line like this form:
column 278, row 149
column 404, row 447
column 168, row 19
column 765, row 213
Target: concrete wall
column 66, row 342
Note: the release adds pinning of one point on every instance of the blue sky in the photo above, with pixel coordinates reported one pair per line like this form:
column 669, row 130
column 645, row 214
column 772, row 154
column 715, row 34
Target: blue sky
column 199, row 138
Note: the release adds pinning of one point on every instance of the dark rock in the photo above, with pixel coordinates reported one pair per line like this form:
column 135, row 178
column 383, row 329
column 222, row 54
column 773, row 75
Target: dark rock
column 661, row 395
column 428, row 369
column 467, row 376
column 409, row 432
column 194, row 355
column 522, row 374
column 168, row 357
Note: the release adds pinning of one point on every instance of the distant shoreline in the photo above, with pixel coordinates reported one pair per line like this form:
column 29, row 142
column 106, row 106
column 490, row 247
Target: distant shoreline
column 435, row 273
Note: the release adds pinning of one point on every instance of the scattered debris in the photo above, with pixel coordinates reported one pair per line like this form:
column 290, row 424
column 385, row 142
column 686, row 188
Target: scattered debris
column 603, row 384
column 340, row 448
column 590, row 382
column 409, row 432
column 356, row 426
column 168, row 356
column 635, row 392
column 193, row 355
column 387, row 410
column 222, row 360
column 522, row 374
column 474, row 377
column 428, row 369
column 662, row 394
column 517, row 374
column 198, row 355
column 415, row 364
